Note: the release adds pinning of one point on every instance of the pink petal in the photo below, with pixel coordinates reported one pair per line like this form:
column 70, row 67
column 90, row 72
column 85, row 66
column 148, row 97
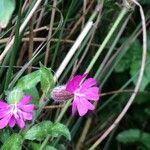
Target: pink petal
column 16, row 115
column 88, row 105
column 4, row 121
column 82, row 109
column 3, row 104
column 20, row 122
column 92, row 93
column 74, row 107
column 74, row 83
column 27, row 108
column 2, row 110
column 27, row 116
column 12, row 122
column 25, row 100
column 88, row 83
column 4, row 113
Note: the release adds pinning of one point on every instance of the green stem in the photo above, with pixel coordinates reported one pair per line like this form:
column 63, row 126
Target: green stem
column 121, row 15
column 63, row 110
column 102, row 66
column 44, row 143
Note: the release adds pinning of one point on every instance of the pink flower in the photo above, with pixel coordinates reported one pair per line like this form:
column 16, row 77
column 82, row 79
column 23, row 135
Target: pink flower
column 83, row 90
column 11, row 114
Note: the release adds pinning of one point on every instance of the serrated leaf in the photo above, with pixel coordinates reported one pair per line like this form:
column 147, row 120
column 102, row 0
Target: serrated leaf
column 14, row 142
column 47, row 80
column 29, row 81
column 45, row 128
column 38, row 131
column 7, row 7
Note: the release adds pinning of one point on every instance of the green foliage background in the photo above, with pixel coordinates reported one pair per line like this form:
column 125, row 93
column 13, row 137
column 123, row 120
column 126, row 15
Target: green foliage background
column 116, row 77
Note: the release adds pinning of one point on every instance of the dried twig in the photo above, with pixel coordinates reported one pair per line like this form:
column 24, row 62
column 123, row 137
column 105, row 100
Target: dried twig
column 50, row 32
column 31, row 36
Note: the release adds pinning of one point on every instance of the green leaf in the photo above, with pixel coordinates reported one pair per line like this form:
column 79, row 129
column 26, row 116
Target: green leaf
column 58, row 129
column 45, row 128
column 145, row 140
column 47, row 80
column 35, row 95
column 135, row 66
column 136, row 58
column 147, row 111
column 139, row 113
column 133, row 136
column 7, row 7
column 132, row 54
column 4, row 134
column 35, row 146
column 38, row 131
column 134, row 69
column 123, row 64
column 145, row 1
column 14, row 96
column 49, row 147
column 14, row 142
column 29, row 81
column 132, row 61
column 129, row 136
column 61, row 146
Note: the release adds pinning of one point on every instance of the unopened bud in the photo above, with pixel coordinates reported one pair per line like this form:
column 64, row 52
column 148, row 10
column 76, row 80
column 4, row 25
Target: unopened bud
column 60, row 94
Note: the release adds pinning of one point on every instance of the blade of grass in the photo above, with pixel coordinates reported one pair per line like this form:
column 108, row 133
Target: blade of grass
column 14, row 48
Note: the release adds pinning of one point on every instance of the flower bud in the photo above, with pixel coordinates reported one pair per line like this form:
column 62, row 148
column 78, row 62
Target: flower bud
column 60, row 94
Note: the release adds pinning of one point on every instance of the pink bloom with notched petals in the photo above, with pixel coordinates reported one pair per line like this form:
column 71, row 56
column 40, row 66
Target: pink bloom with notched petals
column 11, row 114
column 83, row 90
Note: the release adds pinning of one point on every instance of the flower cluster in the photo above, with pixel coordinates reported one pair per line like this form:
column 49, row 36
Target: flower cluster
column 18, row 109
column 17, row 113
